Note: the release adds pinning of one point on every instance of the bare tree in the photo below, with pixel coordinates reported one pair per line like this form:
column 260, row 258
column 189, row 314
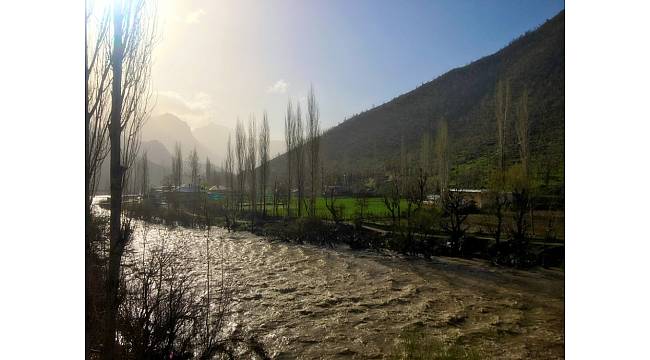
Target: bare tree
column 289, row 125
column 442, row 154
column 330, row 204
column 396, row 187
column 177, row 165
column 207, row 338
column 322, row 177
column 392, row 197
column 229, row 169
column 276, row 196
column 139, row 40
column 520, row 187
column 402, row 157
column 130, row 57
column 313, row 138
column 144, row 189
column 299, row 157
column 97, row 94
column 414, row 183
column 209, row 174
column 117, row 239
column 170, row 311
column 522, row 130
column 251, row 161
column 455, row 212
column 229, row 173
column 176, row 175
column 522, row 190
column 426, row 149
column 499, row 203
column 502, row 106
column 97, row 86
column 264, row 160
column 421, row 186
column 425, row 169
column 193, row 162
column 133, row 185
column 361, row 201
column 240, row 152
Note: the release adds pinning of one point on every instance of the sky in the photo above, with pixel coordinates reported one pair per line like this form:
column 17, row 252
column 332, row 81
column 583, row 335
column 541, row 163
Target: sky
column 219, row 60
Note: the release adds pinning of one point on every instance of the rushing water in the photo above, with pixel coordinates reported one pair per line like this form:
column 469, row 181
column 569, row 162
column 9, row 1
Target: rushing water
column 310, row 302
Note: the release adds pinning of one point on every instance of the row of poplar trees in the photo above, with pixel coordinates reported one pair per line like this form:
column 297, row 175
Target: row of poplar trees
column 302, row 143
column 241, row 165
column 248, row 157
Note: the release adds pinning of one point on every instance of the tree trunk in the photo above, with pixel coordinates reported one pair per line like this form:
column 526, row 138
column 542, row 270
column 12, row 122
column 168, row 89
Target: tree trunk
column 87, row 200
column 288, row 187
column 499, row 212
column 116, row 238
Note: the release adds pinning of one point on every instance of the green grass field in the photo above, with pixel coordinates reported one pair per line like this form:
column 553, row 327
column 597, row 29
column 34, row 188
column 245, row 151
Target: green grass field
column 376, row 210
column 348, row 205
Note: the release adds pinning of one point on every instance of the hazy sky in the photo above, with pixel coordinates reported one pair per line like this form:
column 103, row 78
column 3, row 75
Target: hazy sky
column 217, row 60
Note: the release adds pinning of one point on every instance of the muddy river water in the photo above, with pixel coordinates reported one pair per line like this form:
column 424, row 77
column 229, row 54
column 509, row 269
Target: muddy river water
column 309, row 302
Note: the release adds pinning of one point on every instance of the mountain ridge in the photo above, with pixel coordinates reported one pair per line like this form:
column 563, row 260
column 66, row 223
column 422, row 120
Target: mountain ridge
column 169, row 129
column 464, row 97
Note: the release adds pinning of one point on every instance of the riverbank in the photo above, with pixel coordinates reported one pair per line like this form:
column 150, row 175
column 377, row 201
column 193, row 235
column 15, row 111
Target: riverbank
column 360, row 235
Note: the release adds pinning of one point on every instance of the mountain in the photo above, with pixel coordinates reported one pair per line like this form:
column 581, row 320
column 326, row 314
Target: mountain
column 157, row 153
column 169, row 129
column 276, row 147
column 157, row 173
column 159, row 136
column 215, row 137
column 464, row 97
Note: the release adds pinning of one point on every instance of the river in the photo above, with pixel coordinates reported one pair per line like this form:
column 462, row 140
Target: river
column 309, row 302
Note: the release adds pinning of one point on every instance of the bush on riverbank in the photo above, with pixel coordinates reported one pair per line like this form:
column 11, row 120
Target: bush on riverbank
column 319, row 232
column 418, row 235
column 97, row 233
column 163, row 310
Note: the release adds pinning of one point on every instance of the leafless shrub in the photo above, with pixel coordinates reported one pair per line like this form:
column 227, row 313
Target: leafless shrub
column 330, row 204
column 168, row 308
column 455, row 212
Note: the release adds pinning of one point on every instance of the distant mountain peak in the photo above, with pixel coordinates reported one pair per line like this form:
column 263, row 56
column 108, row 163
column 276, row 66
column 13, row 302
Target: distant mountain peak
column 170, row 129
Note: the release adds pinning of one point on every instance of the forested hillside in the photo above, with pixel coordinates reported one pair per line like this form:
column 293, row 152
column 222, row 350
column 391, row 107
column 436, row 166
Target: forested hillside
column 465, row 98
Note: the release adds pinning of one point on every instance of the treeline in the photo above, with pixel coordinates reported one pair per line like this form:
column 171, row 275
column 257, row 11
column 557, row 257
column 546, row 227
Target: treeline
column 510, row 190
column 245, row 178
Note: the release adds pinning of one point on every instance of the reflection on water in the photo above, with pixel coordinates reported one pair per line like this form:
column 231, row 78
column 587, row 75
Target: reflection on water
column 100, row 198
